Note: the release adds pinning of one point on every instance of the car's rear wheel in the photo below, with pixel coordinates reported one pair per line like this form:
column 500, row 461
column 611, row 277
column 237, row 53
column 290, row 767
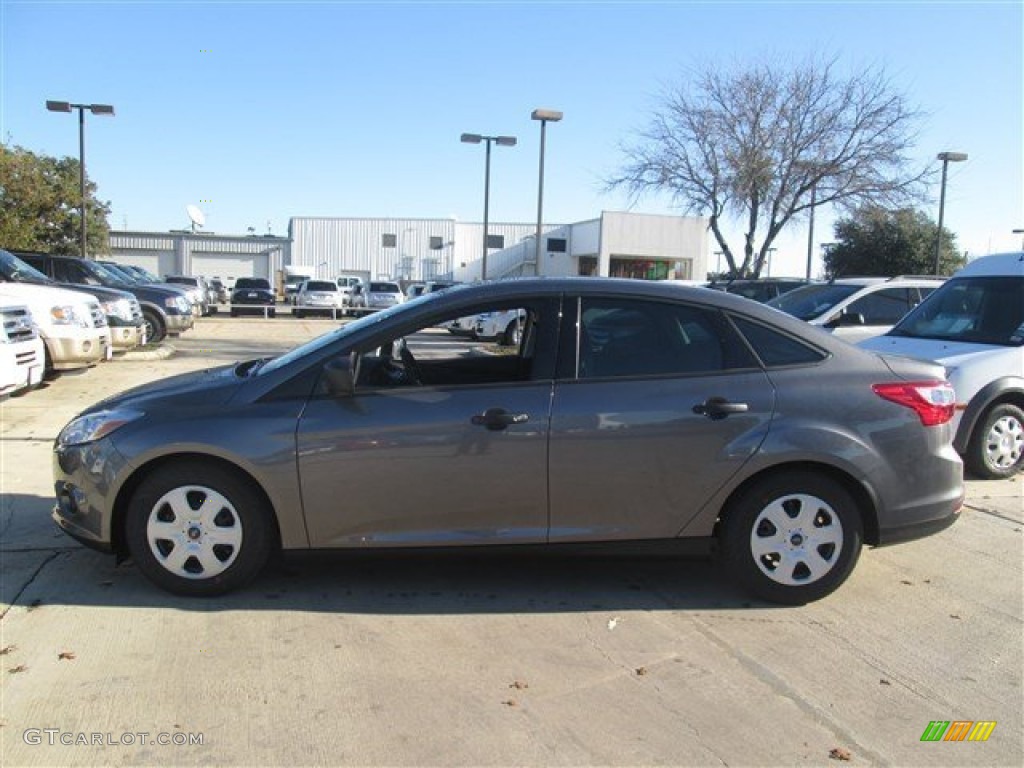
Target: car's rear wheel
column 155, row 328
column 792, row 538
column 996, row 448
column 198, row 530
column 298, row 314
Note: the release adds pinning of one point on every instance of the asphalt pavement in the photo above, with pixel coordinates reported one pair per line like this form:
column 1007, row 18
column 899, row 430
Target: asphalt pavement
column 330, row 659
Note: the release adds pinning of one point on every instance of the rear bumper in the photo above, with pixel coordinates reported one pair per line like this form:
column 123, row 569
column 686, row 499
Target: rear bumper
column 932, row 521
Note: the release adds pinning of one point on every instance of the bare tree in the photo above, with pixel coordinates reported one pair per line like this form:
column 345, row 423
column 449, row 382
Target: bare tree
column 764, row 144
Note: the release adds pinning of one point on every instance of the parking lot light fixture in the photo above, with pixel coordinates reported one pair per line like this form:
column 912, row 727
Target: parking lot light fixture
column 946, row 158
column 1021, row 233
column 501, row 141
column 96, row 109
column 544, row 116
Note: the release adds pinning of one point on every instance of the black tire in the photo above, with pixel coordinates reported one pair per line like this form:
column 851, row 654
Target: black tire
column 511, row 336
column 297, row 313
column 156, row 329
column 996, row 448
column 272, row 313
column 234, row 313
column 155, row 529
column 829, row 537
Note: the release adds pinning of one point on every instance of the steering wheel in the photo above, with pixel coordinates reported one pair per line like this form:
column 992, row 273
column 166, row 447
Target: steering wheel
column 412, row 368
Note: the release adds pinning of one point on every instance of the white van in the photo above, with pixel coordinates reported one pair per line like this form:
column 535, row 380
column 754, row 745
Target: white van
column 21, row 350
column 974, row 325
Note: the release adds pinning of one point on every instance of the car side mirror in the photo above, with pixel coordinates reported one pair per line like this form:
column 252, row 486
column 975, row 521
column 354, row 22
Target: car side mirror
column 845, row 319
column 341, row 374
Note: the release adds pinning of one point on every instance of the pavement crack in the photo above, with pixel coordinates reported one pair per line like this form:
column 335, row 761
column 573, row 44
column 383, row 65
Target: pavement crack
column 35, row 574
column 991, row 513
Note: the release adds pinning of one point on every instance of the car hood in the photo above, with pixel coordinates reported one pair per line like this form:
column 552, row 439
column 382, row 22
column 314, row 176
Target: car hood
column 948, row 353
column 212, row 387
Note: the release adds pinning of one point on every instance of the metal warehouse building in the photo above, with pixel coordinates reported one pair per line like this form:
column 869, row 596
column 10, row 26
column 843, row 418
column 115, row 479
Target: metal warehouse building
column 614, row 244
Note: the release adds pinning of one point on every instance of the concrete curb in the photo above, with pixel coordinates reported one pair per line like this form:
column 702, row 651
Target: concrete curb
column 147, row 353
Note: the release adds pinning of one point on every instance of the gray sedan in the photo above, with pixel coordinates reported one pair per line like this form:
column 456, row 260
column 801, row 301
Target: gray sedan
column 627, row 412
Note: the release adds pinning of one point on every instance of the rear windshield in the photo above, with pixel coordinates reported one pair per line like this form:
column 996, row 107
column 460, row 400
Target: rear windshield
column 252, row 282
column 321, row 285
column 979, row 310
column 384, row 288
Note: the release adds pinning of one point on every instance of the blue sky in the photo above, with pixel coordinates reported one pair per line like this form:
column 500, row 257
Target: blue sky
column 260, row 111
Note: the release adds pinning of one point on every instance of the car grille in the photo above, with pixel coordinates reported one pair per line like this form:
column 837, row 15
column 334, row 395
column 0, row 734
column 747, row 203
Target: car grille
column 18, row 325
column 99, row 320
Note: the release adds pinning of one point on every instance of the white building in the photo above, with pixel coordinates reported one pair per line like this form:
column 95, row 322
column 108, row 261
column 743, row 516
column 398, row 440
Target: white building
column 614, row 244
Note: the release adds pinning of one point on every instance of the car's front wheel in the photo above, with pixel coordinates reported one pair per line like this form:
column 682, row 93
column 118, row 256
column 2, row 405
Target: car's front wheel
column 792, row 538
column 155, row 328
column 996, row 448
column 198, row 530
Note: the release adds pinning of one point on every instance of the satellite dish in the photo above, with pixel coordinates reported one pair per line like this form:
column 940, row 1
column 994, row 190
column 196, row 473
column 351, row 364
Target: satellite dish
column 196, row 216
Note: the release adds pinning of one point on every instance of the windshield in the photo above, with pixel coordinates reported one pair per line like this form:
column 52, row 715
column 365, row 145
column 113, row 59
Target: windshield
column 321, row 285
column 252, row 283
column 17, row 271
column 330, row 337
column 125, row 275
column 812, row 301
column 979, row 310
column 384, row 288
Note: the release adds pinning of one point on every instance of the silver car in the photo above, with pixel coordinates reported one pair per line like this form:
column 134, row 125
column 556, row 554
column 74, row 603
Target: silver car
column 627, row 412
column 375, row 295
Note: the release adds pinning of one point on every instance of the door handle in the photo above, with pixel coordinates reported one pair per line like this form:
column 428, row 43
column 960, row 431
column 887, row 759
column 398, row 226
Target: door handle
column 498, row 418
column 718, row 408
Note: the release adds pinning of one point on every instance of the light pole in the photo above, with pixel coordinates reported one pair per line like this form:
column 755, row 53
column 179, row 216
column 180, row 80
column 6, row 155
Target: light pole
column 1021, row 233
column 96, row 109
column 501, row 141
column 544, row 116
column 810, row 229
column 946, row 158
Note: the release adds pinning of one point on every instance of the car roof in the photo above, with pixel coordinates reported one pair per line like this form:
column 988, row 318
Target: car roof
column 995, row 265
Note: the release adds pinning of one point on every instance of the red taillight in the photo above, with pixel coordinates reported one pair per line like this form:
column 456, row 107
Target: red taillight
column 934, row 401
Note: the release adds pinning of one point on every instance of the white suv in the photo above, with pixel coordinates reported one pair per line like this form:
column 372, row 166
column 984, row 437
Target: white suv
column 21, row 350
column 856, row 308
column 974, row 325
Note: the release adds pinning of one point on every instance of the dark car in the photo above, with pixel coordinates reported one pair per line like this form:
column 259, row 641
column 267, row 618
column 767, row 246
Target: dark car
column 762, row 289
column 164, row 310
column 628, row 412
column 253, row 295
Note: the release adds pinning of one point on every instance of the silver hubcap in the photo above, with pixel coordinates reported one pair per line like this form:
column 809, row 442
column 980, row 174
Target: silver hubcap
column 194, row 532
column 1004, row 443
column 796, row 539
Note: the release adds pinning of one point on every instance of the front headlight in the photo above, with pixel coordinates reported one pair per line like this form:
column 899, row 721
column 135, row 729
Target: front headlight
column 119, row 308
column 183, row 304
column 93, row 426
column 66, row 315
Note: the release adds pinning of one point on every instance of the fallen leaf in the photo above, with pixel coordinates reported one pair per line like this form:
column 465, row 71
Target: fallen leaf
column 34, row 604
column 17, row 669
column 518, row 685
column 641, row 670
column 883, row 681
column 840, row 754
column 953, row 616
column 7, row 649
column 908, row 583
column 510, row 703
column 66, row 656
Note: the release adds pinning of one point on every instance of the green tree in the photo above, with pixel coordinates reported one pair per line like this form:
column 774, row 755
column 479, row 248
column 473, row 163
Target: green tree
column 878, row 242
column 767, row 143
column 40, row 205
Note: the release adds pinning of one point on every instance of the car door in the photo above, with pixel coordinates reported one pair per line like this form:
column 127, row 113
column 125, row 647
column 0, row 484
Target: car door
column 660, row 405
column 459, row 457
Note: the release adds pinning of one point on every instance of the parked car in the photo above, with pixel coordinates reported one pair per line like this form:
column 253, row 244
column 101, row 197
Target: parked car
column 72, row 324
column 414, row 290
column 22, row 355
column 856, row 308
column 199, row 292
column 165, row 310
column 219, row 291
column 974, row 326
column 122, row 310
column 762, row 289
column 318, row 297
column 253, row 295
column 504, row 327
column 629, row 412
column 375, row 295
column 139, row 277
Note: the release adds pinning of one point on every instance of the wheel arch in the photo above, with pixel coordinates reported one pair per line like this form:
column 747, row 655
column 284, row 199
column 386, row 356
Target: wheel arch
column 1003, row 390
column 128, row 488
column 865, row 500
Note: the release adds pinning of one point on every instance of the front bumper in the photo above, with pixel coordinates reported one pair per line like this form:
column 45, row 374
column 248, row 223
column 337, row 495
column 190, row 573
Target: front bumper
column 126, row 337
column 84, row 483
column 179, row 323
column 69, row 353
